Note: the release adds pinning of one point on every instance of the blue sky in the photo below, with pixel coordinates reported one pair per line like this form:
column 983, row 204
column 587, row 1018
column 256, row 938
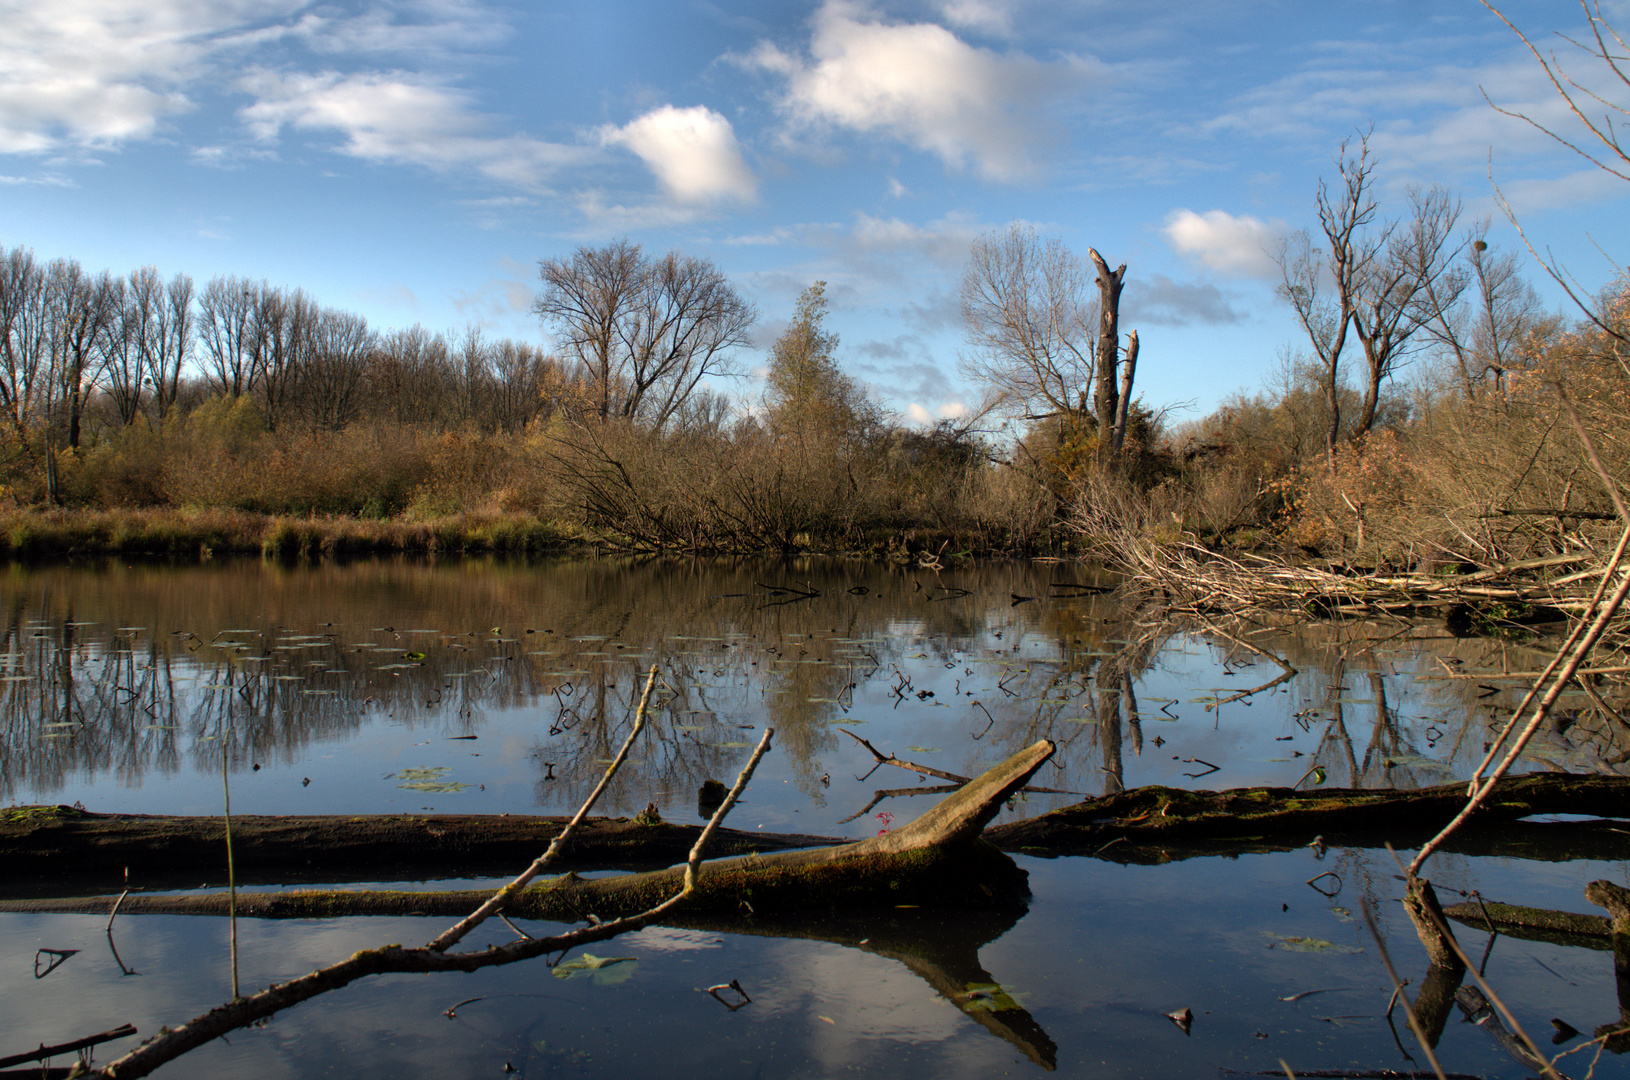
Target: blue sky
column 412, row 160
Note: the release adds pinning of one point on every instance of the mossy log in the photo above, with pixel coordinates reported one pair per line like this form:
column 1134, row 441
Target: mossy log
column 1535, row 924
column 44, row 846
column 1146, row 823
column 938, row 860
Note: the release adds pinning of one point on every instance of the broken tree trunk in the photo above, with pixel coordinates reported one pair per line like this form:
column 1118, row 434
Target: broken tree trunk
column 1616, row 899
column 1421, row 902
column 938, row 860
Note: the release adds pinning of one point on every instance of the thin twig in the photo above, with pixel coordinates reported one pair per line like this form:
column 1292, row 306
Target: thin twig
column 1397, row 985
column 456, row 932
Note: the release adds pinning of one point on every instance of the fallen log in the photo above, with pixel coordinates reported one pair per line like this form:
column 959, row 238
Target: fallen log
column 939, row 860
column 44, row 847
column 1535, row 924
column 55, row 850
column 1154, row 817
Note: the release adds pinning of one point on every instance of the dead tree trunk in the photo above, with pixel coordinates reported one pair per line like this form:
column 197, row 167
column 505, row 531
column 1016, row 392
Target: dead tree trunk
column 1106, row 391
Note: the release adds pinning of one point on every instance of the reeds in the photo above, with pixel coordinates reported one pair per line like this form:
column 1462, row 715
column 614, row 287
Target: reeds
column 33, row 534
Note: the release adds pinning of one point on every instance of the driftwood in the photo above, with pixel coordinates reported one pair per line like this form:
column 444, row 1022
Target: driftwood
column 938, row 860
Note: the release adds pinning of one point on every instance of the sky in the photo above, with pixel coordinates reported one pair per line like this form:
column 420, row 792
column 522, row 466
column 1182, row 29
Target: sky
column 412, row 160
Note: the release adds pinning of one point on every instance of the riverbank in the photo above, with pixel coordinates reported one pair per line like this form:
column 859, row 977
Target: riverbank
column 45, row 534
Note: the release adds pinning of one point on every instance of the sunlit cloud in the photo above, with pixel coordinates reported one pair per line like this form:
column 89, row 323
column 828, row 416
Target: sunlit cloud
column 1240, row 246
column 921, row 84
column 99, row 72
column 400, row 118
column 693, row 153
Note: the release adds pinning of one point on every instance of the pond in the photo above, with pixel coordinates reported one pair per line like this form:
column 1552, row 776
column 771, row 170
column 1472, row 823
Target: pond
column 495, row 687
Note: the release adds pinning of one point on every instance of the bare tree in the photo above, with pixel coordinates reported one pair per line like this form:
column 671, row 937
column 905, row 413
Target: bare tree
column 1480, row 313
column 282, row 324
column 144, row 292
column 1028, row 314
column 521, row 375
column 1394, row 299
column 333, row 361
column 228, row 311
column 171, row 345
column 22, row 336
column 149, row 344
column 82, row 312
column 1375, row 280
column 1604, row 146
column 646, row 332
column 410, row 375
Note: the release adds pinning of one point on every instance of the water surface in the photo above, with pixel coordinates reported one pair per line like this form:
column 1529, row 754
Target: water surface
column 492, row 687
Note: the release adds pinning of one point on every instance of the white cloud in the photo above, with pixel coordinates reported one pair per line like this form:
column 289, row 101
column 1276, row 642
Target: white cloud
column 101, row 72
column 945, row 241
column 44, row 180
column 986, row 16
column 414, row 27
column 950, row 410
column 1576, row 189
column 693, row 152
column 400, row 118
column 1240, row 246
column 921, row 84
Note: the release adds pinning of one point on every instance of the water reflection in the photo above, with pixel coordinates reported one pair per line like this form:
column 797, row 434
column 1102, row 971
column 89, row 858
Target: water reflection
column 490, row 686
column 1270, row 969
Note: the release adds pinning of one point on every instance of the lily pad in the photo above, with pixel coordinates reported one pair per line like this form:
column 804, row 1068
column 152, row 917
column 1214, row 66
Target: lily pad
column 603, row 970
column 1307, row 944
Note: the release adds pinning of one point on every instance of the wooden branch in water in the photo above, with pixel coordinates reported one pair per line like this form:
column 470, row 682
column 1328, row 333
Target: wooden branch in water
column 123, row 1031
column 927, row 771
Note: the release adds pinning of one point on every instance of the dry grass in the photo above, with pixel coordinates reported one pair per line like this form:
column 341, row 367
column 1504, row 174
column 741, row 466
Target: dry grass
column 30, row 533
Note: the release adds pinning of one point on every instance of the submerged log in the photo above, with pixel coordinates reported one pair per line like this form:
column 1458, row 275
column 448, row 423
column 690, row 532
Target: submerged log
column 938, row 860
column 1154, row 817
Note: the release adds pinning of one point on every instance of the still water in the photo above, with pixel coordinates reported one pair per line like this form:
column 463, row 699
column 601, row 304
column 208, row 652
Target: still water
column 492, row 687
